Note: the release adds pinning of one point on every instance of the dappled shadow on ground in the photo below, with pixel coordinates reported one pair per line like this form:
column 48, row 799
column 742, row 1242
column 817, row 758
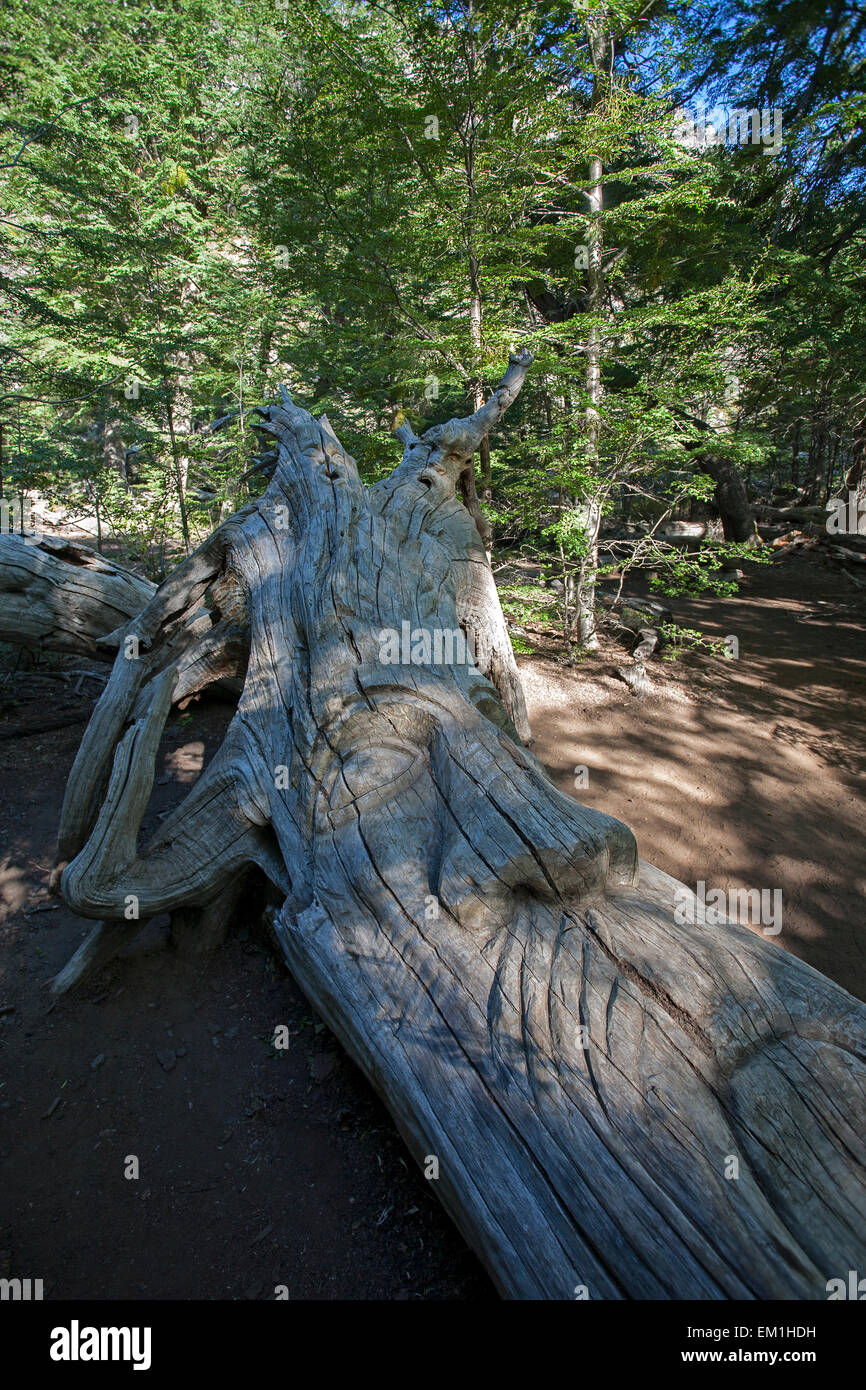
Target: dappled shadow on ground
column 744, row 773
column 257, row 1168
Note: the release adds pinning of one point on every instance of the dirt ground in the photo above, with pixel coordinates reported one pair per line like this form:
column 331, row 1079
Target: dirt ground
column 260, row 1168
column 745, row 773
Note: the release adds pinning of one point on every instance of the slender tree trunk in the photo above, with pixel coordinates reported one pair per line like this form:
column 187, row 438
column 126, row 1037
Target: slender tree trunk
column 265, row 359
column 795, row 457
column 601, row 49
column 832, row 456
column 855, row 482
column 177, row 468
column 475, row 324
column 469, row 487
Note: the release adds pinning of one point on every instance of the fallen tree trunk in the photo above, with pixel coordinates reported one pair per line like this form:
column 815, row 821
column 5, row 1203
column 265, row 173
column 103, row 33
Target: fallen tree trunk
column 579, row 1073
column 846, row 555
column 59, row 596
column 851, row 550
column 812, row 515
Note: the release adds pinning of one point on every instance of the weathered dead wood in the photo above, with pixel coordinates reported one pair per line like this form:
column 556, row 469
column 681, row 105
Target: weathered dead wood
column 99, row 947
column 199, row 931
column 604, row 1166
column 635, row 675
column 59, row 596
column 847, row 555
column 582, row 1067
column 851, row 551
column 803, row 514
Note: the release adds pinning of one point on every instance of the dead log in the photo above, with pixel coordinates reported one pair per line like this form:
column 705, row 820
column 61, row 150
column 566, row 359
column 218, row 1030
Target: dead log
column 847, row 555
column 635, row 675
column 579, row 1073
column 59, row 596
column 649, row 640
column 813, row 522
column 851, row 552
column 809, row 515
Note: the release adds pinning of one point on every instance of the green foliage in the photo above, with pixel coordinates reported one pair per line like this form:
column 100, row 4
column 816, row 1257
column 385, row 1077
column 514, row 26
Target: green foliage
column 376, row 202
column 707, row 571
column 679, row 639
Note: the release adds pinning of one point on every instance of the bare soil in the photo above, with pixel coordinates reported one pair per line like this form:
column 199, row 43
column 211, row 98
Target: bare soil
column 260, row 1168
column 745, row 773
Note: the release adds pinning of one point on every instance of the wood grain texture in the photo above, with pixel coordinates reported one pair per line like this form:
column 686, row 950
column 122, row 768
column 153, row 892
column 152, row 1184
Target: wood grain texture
column 59, row 596
column 514, row 982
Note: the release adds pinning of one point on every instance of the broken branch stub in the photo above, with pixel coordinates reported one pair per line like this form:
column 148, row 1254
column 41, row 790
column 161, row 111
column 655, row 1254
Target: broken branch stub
column 574, row 1068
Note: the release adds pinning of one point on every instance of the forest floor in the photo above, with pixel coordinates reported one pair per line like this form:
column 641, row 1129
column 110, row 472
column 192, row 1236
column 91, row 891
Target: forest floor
column 260, row 1168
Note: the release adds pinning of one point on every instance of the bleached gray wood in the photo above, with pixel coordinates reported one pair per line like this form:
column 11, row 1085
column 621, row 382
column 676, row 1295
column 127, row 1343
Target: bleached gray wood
column 56, row 595
column 582, row 1068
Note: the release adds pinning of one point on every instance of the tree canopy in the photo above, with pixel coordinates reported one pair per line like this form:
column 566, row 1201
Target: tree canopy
column 376, row 201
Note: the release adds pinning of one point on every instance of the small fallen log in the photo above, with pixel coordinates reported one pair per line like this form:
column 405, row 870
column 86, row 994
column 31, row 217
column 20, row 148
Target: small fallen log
column 634, row 611
column 58, row 596
column 685, row 535
column 851, row 552
column 816, row 515
column 847, row 555
column 649, row 640
column 609, row 1097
